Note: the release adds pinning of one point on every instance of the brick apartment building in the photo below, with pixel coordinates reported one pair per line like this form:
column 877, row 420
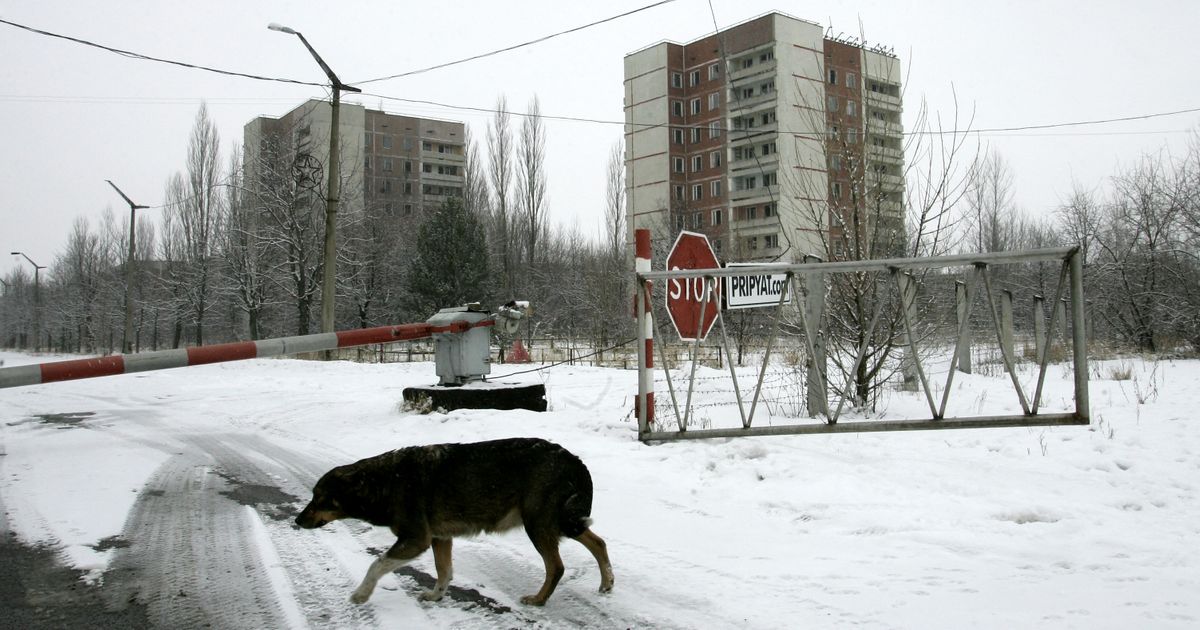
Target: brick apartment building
column 764, row 136
column 398, row 165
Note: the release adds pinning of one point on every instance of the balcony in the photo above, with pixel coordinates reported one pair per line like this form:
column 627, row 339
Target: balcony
column 885, row 154
column 759, row 68
column 738, row 107
column 883, row 101
column 763, row 193
column 883, row 127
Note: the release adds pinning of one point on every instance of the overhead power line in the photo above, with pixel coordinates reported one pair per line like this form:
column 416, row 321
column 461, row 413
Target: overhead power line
column 515, row 46
column 135, row 55
column 487, row 110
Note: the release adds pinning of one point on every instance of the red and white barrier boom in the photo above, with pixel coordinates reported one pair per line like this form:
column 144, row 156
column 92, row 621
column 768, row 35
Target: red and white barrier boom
column 237, row 351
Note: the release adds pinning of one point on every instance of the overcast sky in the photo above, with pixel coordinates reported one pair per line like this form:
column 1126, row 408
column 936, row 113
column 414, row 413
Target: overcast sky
column 72, row 116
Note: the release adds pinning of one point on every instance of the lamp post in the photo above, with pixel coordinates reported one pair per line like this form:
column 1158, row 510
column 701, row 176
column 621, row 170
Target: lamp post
column 329, row 264
column 37, row 301
column 127, row 342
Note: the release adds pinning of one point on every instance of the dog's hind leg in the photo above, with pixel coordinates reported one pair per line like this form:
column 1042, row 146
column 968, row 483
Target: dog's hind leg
column 547, row 546
column 442, row 561
column 599, row 549
column 397, row 556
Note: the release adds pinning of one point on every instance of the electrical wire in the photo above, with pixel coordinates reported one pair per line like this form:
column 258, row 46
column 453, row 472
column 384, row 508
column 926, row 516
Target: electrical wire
column 135, row 55
column 515, row 46
column 584, row 356
column 487, row 110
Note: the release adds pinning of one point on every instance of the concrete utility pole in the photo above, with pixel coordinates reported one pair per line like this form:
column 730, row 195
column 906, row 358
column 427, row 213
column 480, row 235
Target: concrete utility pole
column 333, row 190
column 127, row 342
column 37, row 301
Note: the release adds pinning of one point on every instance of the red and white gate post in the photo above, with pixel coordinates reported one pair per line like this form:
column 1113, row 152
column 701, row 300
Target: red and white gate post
column 644, row 403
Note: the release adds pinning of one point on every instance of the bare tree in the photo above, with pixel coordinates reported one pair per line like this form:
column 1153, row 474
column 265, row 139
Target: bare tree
column 531, row 180
column 502, row 232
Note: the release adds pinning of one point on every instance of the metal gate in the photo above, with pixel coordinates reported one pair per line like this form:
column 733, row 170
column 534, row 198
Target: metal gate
column 902, row 279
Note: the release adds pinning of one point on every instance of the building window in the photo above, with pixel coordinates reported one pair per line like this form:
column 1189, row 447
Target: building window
column 851, row 80
column 697, row 163
column 387, row 165
column 851, row 135
column 770, row 179
column 676, row 80
column 695, row 135
column 697, row 192
column 768, row 148
column 408, row 144
column 747, row 62
column 697, row 220
column 750, row 213
column 408, row 167
column 367, row 162
column 387, row 141
column 767, row 56
column 694, row 77
column 767, row 87
column 408, row 188
column 837, row 190
column 851, row 108
column 679, row 221
column 771, row 241
column 768, row 210
column 714, row 100
column 678, row 191
column 752, row 243
column 768, row 117
column 407, row 209
column 714, row 129
column 695, row 106
column 677, row 108
column 743, row 153
column 716, row 217
column 714, row 71
column 427, row 168
column 717, row 244
column 832, row 103
column 833, row 132
column 714, row 159
column 677, row 164
column 676, row 135
column 387, row 186
column 835, row 162
column 716, row 188
column 832, row 76
column 367, row 141
column 747, row 93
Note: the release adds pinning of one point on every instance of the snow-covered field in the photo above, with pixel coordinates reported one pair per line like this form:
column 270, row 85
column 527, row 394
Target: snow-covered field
column 1091, row 527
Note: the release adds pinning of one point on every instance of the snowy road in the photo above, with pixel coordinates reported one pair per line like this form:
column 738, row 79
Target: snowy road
column 171, row 495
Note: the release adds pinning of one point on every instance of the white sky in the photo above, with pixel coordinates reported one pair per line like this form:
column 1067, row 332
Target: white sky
column 72, row 116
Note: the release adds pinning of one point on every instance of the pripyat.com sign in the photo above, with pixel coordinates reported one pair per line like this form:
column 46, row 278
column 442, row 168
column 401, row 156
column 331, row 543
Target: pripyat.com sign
column 753, row 290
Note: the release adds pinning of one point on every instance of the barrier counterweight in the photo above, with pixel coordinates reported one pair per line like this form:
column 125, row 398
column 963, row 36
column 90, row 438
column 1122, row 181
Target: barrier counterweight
column 183, row 357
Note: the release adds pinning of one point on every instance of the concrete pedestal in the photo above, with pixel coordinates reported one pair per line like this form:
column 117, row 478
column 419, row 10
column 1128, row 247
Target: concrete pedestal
column 477, row 395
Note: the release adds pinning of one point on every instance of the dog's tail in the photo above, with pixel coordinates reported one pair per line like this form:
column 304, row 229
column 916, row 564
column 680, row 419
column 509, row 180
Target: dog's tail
column 574, row 519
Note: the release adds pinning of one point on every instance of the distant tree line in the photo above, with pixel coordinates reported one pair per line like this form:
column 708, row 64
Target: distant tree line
column 236, row 252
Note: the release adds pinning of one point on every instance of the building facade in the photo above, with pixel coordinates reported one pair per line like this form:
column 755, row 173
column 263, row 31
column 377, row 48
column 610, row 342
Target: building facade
column 770, row 138
column 399, row 166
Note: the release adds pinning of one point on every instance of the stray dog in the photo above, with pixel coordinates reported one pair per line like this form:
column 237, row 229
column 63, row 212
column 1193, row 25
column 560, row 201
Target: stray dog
column 428, row 495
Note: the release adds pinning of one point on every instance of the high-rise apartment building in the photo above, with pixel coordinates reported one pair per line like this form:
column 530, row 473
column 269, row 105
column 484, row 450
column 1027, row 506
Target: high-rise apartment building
column 769, row 137
column 394, row 164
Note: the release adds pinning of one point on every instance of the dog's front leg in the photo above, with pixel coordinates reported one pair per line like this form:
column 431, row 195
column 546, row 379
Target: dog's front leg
column 444, row 564
column 397, row 556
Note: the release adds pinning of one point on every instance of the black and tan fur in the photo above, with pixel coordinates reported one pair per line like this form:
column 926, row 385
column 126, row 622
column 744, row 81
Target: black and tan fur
column 428, row 495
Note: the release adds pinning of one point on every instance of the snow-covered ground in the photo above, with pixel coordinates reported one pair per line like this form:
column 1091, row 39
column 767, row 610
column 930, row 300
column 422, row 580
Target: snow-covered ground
column 1092, row 527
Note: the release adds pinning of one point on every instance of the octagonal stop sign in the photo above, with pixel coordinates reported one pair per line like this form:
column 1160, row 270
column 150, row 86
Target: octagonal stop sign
column 685, row 295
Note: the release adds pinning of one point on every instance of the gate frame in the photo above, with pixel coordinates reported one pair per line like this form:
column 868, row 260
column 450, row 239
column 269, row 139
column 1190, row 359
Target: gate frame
column 1072, row 266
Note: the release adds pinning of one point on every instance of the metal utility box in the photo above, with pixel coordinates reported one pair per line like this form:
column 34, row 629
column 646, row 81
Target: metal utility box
column 462, row 357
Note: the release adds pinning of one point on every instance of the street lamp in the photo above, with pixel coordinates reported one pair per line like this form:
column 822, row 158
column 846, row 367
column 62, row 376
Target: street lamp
column 333, row 189
column 37, row 301
column 127, row 342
